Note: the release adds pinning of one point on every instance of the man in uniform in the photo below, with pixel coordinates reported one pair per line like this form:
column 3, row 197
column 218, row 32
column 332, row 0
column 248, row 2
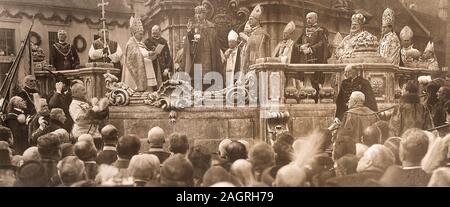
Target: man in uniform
column 108, row 53
column 353, row 82
column 163, row 64
column 312, row 48
column 63, row 55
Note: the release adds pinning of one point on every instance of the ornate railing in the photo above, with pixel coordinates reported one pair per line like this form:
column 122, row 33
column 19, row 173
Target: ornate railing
column 298, row 88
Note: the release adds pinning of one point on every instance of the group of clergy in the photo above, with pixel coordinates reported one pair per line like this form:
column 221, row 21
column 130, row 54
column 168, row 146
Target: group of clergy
column 148, row 63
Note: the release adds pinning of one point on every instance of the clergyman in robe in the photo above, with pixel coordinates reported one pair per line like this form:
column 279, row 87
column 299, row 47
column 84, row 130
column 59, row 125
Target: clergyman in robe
column 258, row 42
column 284, row 48
column 202, row 46
column 108, row 53
column 233, row 56
column 163, row 64
column 389, row 43
column 138, row 71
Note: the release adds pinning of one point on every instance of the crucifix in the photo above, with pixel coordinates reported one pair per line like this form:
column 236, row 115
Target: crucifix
column 103, row 19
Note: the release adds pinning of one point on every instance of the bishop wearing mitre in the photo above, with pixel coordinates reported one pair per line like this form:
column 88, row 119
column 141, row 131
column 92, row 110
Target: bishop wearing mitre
column 138, row 72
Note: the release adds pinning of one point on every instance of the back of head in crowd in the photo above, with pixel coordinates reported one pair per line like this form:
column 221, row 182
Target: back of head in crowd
column 376, row 158
column 371, row 135
column 178, row 143
column 128, row 146
column 243, row 171
column 200, row 158
column 290, row 176
column 346, row 165
column 413, row 147
column 144, row 168
column 85, row 151
column 215, row 175
column 110, row 135
column 49, row 146
column 31, row 174
column 156, row 137
column 235, row 150
column 177, row 171
column 261, row 156
column 71, row 170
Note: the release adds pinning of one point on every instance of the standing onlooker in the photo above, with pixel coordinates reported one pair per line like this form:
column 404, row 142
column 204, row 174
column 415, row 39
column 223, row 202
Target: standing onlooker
column 17, row 120
column 144, row 169
column 179, row 143
column 110, row 136
column 50, row 151
column 156, row 140
column 7, row 169
column 87, row 153
column 127, row 147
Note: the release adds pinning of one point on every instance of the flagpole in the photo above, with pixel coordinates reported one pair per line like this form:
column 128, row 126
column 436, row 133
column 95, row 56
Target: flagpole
column 13, row 71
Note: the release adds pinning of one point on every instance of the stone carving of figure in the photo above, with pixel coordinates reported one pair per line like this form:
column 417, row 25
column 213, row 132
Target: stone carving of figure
column 429, row 57
column 389, row 43
column 37, row 53
column 342, row 4
column 284, row 48
column 138, row 71
column 201, row 45
column 109, row 52
column 232, row 56
column 63, row 55
column 312, row 48
column 163, row 63
column 356, row 39
column 258, row 41
column 408, row 54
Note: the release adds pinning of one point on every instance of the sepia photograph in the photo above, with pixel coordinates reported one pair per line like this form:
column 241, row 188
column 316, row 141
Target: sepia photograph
column 224, row 93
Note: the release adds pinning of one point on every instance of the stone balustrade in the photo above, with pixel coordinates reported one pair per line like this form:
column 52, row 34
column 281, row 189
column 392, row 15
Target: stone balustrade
column 91, row 76
column 297, row 80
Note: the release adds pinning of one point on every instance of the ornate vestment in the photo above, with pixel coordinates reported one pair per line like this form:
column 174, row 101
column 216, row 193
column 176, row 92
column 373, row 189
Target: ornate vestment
column 138, row 70
column 352, row 42
column 390, row 48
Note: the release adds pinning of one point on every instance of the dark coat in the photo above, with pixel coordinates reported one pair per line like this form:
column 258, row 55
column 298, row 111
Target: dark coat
column 163, row 61
column 62, row 101
column 53, row 126
column 410, row 113
column 162, row 155
column 27, row 95
column 51, row 171
column 395, row 176
column 107, row 157
column 19, row 131
column 347, row 88
column 439, row 115
column 317, row 38
column 91, row 169
column 64, row 56
column 361, row 179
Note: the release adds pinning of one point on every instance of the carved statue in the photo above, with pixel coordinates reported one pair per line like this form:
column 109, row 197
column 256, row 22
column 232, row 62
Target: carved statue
column 389, row 43
column 359, row 46
column 342, row 4
column 408, row 54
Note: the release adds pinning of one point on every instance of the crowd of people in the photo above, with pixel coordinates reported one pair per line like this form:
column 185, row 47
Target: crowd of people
column 364, row 150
